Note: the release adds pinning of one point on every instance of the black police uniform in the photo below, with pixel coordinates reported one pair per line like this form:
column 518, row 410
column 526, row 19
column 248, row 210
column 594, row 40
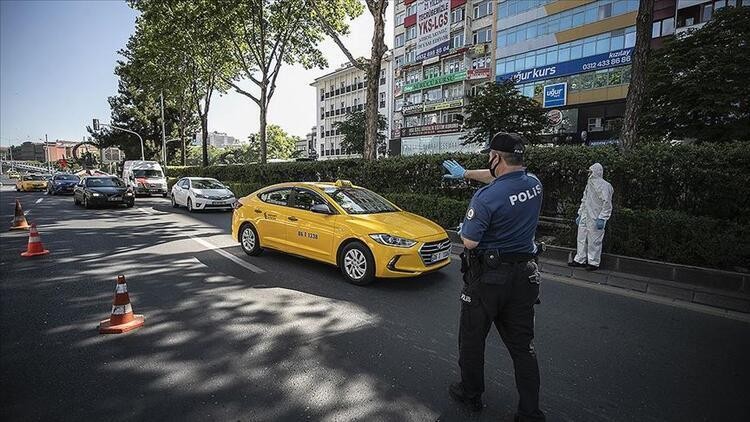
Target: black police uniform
column 502, row 285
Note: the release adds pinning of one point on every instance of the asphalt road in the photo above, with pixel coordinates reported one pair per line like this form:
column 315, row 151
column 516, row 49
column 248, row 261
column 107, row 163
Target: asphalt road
column 229, row 337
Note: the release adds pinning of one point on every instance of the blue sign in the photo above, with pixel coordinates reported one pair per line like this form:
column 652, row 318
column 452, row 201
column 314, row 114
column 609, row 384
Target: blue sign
column 586, row 64
column 556, row 95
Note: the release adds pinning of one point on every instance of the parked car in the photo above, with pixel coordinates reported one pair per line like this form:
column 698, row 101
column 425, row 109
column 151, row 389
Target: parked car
column 62, row 183
column 340, row 224
column 200, row 193
column 145, row 177
column 12, row 174
column 31, row 182
column 103, row 190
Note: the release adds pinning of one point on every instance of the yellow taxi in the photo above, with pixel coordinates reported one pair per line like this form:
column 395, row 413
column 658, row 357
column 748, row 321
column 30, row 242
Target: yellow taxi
column 12, row 174
column 348, row 226
column 31, row 182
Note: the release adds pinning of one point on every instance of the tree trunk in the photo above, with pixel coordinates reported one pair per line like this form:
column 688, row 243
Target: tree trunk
column 184, row 144
column 373, row 82
column 204, row 136
column 637, row 88
column 263, row 123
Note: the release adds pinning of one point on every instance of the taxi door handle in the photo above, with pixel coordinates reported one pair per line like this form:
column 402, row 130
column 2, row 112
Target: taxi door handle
column 292, row 218
column 258, row 210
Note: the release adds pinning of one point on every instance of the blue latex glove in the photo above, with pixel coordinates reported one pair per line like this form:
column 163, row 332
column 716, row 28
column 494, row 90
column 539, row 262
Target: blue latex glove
column 455, row 170
column 600, row 224
column 578, row 220
column 460, row 227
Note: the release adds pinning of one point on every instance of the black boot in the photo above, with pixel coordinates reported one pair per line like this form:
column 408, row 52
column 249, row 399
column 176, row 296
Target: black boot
column 592, row 267
column 456, row 391
column 575, row 263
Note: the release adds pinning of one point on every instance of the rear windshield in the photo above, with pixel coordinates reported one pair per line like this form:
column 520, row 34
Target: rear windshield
column 66, row 177
column 34, row 177
column 359, row 200
column 149, row 174
column 207, row 184
column 104, row 182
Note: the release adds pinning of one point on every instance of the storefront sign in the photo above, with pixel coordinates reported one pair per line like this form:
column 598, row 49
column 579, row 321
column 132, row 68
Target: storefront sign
column 600, row 61
column 395, row 133
column 430, row 129
column 482, row 73
column 478, row 49
column 433, row 28
column 554, row 117
column 411, row 109
column 435, row 81
column 555, row 95
column 444, row 105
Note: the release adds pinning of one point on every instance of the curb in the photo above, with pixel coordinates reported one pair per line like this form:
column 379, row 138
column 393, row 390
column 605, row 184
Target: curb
column 725, row 290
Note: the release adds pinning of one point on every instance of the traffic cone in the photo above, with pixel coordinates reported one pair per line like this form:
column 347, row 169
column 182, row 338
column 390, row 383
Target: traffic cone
column 122, row 319
column 19, row 221
column 35, row 247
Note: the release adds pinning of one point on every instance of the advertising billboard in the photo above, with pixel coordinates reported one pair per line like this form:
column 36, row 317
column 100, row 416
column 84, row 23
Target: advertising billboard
column 587, row 64
column 433, row 28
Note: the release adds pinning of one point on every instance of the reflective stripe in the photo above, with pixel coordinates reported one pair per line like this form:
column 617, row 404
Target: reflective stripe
column 34, row 239
column 122, row 309
column 121, row 288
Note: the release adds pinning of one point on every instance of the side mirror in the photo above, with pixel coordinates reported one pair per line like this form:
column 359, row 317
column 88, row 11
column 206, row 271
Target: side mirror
column 321, row 209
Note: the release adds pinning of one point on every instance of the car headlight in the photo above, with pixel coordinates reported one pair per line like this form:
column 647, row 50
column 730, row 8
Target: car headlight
column 388, row 240
column 128, row 193
column 96, row 194
column 199, row 195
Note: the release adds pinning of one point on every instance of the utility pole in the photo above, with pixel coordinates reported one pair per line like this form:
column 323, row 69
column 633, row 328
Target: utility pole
column 163, row 135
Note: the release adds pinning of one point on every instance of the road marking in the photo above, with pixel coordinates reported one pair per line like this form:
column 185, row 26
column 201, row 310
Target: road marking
column 145, row 211
column 228, row 255
column 39, row 200
column 26, row 212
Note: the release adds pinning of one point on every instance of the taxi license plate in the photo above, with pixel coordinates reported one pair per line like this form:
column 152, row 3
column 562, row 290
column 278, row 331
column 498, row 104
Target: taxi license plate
column 440, row 255
column 115, row 198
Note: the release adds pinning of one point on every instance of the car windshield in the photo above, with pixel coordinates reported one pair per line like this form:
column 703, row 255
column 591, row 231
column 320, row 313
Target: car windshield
column 207, row 184
column 359, row 200
column 66, row 177
column 104, row 182
column 149, row 174
column 34, row 177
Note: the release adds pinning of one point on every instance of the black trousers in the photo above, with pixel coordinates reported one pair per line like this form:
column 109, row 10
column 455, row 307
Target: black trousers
column 506, row 296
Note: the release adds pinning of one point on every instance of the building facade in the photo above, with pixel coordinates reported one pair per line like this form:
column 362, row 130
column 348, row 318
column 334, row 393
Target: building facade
column 443, row 50
column 693, row 14
column 341, row 92
column 218, row 140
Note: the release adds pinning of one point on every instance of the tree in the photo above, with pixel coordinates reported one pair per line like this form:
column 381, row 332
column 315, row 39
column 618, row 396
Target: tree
column 637, row 87
column 326, row 11
column 698, row 83
column 280, row 145
column 501, row 108
column 353, row 129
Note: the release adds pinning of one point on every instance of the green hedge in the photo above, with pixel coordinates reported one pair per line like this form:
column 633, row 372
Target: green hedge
column 706, row 180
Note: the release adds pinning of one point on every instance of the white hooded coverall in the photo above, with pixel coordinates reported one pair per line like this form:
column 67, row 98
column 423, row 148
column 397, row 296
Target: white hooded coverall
column 595, row 204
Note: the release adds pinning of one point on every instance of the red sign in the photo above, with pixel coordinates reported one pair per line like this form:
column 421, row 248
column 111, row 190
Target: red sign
column 410, row 20
column 63, row 163
column 481, row 73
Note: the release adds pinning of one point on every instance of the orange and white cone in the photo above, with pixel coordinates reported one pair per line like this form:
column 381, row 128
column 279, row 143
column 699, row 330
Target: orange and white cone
column 19, row 220
column 35, row 247
column 122, row 319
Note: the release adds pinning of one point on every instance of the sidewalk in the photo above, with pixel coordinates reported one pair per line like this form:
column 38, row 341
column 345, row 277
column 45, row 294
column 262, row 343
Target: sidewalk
column 725, row 290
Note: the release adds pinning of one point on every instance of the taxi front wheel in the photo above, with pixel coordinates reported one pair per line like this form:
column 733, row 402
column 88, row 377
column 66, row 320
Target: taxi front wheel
column 249, row 240
column 357, row 264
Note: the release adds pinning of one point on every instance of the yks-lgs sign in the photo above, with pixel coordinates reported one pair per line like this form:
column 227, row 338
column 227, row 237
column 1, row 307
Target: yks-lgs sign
column 433, row 28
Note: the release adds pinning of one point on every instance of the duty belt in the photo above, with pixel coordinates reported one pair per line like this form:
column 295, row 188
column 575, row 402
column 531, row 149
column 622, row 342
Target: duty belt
column 506, row 258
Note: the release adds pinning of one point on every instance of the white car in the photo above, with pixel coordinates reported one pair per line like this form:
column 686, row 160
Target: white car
column 201, row 193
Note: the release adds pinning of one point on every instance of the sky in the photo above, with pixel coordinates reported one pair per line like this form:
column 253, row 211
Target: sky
column 57, row 62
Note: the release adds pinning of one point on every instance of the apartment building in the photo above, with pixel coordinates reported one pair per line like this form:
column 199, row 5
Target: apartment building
column 693, row 14
column 443, row 50
column 343, row 91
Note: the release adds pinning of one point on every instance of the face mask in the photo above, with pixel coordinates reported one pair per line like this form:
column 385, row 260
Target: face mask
column 493, row 165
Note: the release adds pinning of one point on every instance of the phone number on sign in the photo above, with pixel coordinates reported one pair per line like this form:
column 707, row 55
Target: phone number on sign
column 607, row 63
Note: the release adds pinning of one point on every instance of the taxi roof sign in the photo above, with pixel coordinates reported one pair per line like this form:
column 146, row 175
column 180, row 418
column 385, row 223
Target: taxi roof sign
column 343, row 183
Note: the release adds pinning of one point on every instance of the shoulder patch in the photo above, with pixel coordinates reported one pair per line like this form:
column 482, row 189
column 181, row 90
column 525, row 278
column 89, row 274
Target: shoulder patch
column 470, row 214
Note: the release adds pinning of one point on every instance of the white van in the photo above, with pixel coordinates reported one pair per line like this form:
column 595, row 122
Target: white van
column 145, row 177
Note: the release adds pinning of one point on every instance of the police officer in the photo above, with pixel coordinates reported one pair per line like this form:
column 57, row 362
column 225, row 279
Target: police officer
column 501, row 276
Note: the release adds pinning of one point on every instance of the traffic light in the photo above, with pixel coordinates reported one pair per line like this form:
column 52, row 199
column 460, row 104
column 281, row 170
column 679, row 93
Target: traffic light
column 96, row 124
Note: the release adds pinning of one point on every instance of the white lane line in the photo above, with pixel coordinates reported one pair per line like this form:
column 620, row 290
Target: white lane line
column 39, row 200
column 26, row 212
column 228, row 255
column 145, row 211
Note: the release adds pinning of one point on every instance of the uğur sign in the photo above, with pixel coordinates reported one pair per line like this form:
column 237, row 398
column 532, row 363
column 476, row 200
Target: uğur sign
column 433, row 28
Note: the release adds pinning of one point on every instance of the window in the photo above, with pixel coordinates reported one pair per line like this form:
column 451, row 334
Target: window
column 398, row 104
column 480, row 62
column 413, row 98
column 411, row 56
column 411, row 33
column 411, row 9
column 411, row 121
column 451, row 117
column 595, row 124
column 277, row 197
column 453, row 65
column 605, row 11
column 453, row 91
column 656, row 29
column 482, row 9
column 706, row 12
column 305, row 199
column 457, row 15
column 400, row 18
column 431, row 71
column 399, row 40
column 662, row 28
column 457, row 39
column 399, row 61
column 434, row 95
column 483, row 35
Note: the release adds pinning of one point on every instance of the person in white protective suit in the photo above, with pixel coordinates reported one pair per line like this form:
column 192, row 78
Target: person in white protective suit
column 595, row 210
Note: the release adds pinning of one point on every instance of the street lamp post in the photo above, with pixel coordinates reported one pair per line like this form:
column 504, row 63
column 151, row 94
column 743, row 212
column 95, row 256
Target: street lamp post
column 96, row 127
column 163, row 134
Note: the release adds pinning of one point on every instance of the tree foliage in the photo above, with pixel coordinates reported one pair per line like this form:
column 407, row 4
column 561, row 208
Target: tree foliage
column 354, row 131
column 501, row 108
column 699, row 84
